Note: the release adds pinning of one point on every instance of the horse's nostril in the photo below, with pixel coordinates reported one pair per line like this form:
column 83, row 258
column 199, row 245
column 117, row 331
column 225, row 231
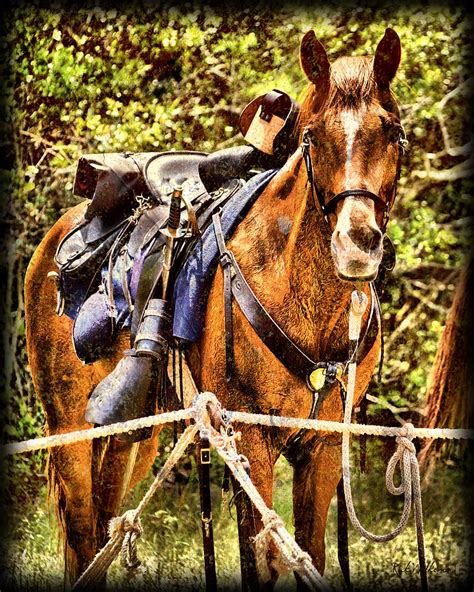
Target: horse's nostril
column 366, row 238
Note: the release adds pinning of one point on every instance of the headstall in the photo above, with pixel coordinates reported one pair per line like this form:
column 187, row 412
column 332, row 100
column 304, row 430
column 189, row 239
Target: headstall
column 329, row 207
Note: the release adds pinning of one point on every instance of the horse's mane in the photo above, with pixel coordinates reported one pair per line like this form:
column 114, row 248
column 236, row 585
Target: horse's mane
column 351, row 85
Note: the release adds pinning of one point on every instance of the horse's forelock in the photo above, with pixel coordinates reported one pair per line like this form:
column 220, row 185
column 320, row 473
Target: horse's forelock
column 351, row 85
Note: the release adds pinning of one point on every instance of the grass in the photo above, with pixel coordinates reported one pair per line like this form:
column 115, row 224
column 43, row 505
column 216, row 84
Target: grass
column 170, row 547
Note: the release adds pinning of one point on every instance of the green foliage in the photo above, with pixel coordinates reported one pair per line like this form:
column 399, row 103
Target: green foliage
column 151, row 78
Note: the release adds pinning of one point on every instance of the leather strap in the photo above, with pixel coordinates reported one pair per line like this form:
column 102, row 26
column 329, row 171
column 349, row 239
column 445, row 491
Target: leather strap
column 343, row 536
column 327, row 208
column 225, row 261
column 277, row 341
column 204, row 463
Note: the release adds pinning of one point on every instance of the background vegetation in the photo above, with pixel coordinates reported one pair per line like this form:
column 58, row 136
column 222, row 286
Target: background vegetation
column 154, row 78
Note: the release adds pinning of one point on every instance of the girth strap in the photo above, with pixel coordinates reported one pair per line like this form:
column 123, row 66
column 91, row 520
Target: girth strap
column 225, row 261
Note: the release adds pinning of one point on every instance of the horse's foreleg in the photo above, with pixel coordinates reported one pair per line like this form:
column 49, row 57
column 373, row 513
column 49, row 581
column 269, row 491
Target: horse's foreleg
column 316, row 476
column 255, row 445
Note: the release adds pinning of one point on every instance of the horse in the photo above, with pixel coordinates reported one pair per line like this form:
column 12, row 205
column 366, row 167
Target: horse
column 315, row 232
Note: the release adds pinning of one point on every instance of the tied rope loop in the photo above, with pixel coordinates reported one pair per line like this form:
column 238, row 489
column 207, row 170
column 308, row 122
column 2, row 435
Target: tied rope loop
column 129, row 527
column 271, row 522
column 125, row 530
column 405, row 456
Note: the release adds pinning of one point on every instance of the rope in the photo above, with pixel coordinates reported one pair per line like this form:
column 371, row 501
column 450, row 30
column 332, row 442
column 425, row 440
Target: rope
column 291, row 554
column 404, row 456
column 339, row 427
column 238, row 416
column 126, row 529
column 91, row 433
column 262, row 542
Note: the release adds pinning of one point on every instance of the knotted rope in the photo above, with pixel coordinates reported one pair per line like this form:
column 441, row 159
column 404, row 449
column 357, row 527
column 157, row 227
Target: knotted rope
column 126, row 529
column 404, row 456
column 291, row 556
column 262, row 542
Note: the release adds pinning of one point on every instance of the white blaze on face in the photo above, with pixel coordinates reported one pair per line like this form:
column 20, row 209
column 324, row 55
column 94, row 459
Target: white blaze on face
column 352, row 261
column 351, row 123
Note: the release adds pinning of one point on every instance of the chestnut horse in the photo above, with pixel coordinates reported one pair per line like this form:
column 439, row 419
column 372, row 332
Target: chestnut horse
column 301, row 257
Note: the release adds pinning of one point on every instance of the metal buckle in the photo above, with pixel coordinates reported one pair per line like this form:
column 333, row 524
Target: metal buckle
column 322, row 373
column 206, row 456
column 226, row 258
column 207, row 523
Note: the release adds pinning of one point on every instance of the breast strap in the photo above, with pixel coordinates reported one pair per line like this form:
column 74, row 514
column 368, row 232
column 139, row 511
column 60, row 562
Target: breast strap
column 277, row 341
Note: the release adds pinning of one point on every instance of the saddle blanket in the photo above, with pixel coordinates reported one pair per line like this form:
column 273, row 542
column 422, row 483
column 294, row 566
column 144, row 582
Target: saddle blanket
column 194, row 281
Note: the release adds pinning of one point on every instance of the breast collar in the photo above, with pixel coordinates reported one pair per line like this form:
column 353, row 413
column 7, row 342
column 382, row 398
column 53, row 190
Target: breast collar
column 318, row 376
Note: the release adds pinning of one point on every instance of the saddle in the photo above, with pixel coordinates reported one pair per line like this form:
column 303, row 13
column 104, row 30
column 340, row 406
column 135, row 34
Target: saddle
column 147, row 225
column 112, row 260
column 109, row 263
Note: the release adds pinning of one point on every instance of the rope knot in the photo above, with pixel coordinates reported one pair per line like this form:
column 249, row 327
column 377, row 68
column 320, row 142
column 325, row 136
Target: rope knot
column 406, row 436
column 271, row 521
column 408, row 430
column 406, row 443
column 128, row 527
column 128, row 522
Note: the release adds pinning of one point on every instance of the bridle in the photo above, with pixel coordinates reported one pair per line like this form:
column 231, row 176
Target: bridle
column 327, row 208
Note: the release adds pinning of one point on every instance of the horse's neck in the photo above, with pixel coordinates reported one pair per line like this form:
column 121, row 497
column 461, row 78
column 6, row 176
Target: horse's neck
column 283, row 248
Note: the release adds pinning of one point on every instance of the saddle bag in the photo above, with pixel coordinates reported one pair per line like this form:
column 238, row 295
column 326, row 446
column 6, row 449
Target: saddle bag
column 112, row 182
column 268, row 122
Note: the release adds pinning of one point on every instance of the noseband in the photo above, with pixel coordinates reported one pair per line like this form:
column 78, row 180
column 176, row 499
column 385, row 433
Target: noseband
column 329, row 207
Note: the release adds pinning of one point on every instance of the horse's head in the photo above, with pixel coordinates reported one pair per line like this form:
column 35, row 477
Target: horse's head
column 352, row 139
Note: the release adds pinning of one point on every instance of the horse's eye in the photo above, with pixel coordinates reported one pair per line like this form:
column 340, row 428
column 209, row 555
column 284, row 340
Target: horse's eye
column 311, row 137
column 393, row 130
column 395, row 133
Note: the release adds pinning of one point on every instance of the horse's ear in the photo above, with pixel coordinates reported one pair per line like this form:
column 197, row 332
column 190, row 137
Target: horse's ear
column 387, row 58
column 314, row 60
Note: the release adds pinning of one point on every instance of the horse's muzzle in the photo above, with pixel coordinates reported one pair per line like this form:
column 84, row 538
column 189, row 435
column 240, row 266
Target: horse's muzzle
column 357, row 253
